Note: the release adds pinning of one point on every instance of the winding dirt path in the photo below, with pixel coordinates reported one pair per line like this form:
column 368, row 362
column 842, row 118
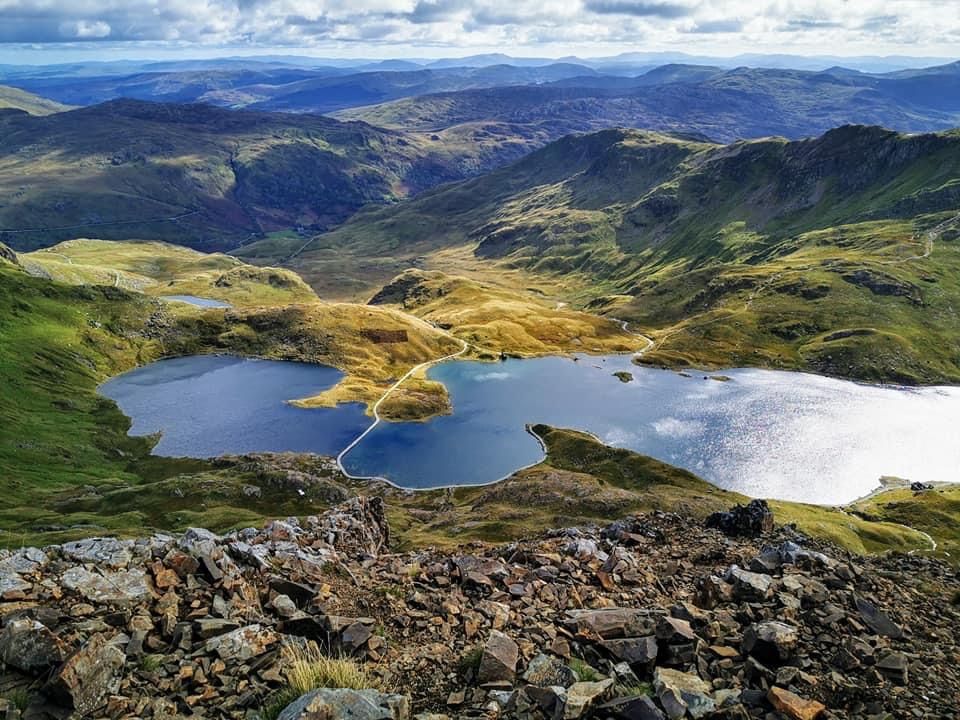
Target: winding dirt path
column 376, row 409
column 412, row 371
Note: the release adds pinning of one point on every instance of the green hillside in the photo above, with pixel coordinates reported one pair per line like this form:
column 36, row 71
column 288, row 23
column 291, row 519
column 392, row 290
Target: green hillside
column 837, row 254
column 207, row 177
column 12, row 98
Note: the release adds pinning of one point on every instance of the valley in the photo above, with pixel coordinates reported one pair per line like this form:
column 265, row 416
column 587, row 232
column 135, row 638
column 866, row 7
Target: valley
column 210, row 178
column 762, row 253
column 274, row 315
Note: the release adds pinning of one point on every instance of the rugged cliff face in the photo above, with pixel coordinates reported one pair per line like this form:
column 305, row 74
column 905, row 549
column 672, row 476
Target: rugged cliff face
column 649, row 617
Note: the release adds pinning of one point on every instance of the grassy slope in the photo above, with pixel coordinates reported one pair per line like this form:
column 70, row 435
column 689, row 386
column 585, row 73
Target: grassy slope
column 756, row 253
column 497, row 320
column 125, row 168
column 936, row 512
column 583, row 481
column 15, row 99
column 162, row 269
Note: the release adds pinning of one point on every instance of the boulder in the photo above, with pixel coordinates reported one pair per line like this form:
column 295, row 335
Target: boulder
column 335, row 703
column 550, row 700
column 771, row 642
column 87, row 677
column 355, row 636
column 284, row 606
column 640, row 652
column 546, row 670
column 748, row 585
column 499, row 660
column 674, row 630
column 877, row 620
column 243, row 643
column 120, row 587
column 682, row 693
column 608, row 623
column 894, row 665
column 102, row 552
column 751, row 520
column 13, row 585
column 30, row 646
column 581, row 696
column 210, row 627
column 793, row 706
column 793, row 554
column 640, row 707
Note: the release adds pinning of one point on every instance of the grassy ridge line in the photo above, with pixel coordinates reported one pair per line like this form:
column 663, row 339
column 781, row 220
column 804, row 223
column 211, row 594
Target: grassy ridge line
column 582, row 481
column 159, row 269
column 12, row 98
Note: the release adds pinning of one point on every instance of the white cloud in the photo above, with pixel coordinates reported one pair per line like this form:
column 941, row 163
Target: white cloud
column 85, row 29
column 863, row 26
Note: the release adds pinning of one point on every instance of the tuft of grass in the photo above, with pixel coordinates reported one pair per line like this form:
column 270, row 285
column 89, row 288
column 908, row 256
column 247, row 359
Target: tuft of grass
column 584, row 671
column 637, row 690
column 308, row 669
column 151, row 663
column 19, row 698
column 470, row 660
column 276, row 703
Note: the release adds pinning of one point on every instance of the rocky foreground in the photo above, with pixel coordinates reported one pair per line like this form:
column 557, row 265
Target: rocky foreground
column 650, row 617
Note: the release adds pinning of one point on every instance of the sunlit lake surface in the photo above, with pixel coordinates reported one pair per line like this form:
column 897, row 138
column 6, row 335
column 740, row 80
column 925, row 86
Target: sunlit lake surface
column 198, row 301
column 763, row 433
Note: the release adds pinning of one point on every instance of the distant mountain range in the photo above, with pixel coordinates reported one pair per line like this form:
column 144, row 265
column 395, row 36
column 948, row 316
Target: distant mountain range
column 626, row 63
column 722, row 105
column 317, row 90
column 552, row 99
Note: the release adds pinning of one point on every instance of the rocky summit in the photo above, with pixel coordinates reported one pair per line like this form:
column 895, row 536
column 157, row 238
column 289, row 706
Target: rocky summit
column 651, row 617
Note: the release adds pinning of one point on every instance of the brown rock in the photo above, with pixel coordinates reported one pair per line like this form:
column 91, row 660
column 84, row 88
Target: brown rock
column 87, row 677
column 499, row 661
column 794, row 706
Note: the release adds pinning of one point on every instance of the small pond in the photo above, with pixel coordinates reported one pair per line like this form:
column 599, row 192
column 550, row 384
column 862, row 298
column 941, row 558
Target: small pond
column 198, row 301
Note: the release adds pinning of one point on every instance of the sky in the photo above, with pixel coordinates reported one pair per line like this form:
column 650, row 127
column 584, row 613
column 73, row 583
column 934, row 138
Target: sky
column 34, row 30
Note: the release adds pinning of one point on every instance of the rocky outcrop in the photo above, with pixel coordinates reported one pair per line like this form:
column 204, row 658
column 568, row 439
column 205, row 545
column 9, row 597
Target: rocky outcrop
column 650, row 617
column 9, row 255
column 752, row 520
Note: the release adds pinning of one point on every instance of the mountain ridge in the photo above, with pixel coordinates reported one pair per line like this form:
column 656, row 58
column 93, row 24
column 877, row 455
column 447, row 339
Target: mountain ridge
column 715, row 249
column 209, row 177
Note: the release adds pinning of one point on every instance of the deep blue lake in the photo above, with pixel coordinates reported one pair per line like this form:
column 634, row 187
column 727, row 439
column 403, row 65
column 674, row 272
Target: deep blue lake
column 210, row 405
column 763, row 433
